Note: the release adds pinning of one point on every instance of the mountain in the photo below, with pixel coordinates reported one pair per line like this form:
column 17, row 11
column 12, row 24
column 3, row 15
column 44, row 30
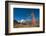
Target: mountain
column 15, row 21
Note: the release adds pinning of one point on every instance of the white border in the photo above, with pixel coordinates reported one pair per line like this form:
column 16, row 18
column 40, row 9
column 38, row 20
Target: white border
column 13, row 30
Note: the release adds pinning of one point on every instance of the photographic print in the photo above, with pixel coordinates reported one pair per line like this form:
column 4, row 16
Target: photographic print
column 24, row 17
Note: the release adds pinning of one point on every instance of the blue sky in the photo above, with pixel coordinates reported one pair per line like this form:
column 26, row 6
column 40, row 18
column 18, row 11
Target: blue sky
column 25, row 13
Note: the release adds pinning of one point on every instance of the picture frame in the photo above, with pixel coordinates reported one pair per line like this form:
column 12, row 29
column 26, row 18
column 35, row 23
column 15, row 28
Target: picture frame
column 9, row 29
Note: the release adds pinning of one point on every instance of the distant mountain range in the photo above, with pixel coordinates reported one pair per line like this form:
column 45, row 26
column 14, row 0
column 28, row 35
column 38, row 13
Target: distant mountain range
column 24, row 21
column 15, row 21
